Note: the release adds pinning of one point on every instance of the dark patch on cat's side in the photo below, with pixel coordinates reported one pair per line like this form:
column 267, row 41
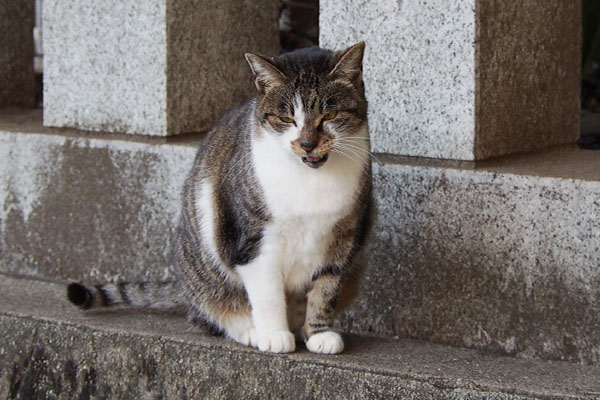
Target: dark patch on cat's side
column 240, row 246
column 202, row 321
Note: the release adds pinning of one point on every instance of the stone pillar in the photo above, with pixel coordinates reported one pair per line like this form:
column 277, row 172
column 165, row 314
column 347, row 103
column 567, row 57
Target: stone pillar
column 154, row 67
column 17, row 84
column 467, row 79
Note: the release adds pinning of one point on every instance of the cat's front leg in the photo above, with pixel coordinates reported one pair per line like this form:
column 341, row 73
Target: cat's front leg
column 265, row 289
column 320, row 309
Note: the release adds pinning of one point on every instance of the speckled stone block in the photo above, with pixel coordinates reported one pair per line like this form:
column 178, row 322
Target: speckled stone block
column 528, row 75
column 157, row 67
column 465, row 79
column 17, row 84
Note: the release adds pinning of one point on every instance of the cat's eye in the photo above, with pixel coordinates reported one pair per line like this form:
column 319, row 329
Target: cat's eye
column 287, row 120
column 330, row 115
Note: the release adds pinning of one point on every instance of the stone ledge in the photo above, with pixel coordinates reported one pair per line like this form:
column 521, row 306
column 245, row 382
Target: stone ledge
column 563, row 161
column 48, row 346
column 29, row 120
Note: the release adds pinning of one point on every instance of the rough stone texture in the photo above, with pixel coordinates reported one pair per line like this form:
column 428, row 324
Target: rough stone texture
column 502, row 257
column 207, row 72
column 51, row 350
column 418, row 71
column 85, row 207
column 17, row 84
column 159, row 67
column 464, row 80
column 528, row 75
column 494, row 260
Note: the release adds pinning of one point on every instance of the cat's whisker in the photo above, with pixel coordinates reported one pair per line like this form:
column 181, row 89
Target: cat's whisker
column 240, row 170
column 362, row 160
column 353, row 146
column 352, row 141
column 358, row 147
column 358, row 157
column 338, row 151
column 353, row 137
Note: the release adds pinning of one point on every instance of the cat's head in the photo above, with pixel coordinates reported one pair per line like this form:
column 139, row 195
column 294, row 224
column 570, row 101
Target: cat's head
column 312, row 101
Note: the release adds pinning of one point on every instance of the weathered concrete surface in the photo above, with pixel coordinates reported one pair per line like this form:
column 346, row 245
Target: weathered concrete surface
column 159, row 67
column 51, row 350
column 502, row 257
column 83, row 207
column 464, row 80
column 528, row 75
column 17, row 84
column 480, row 258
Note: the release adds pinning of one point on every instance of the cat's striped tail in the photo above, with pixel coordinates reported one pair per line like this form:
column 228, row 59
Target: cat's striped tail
column 155, row 295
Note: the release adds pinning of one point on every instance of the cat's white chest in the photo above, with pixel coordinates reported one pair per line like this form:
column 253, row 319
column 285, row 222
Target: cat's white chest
column 294, row 190
column 304, row 204
column 299, row 248
column 304, row 210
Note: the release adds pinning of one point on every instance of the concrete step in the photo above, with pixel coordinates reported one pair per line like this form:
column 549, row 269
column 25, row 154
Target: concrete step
column 52, row 350
column 501, row 256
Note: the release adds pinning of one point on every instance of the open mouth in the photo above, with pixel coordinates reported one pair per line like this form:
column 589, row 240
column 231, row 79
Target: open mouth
column 315, row 162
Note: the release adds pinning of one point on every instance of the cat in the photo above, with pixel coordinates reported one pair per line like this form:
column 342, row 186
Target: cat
column 275, row 210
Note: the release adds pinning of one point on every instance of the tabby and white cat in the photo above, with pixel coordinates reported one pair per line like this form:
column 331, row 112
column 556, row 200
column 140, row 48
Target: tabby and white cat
column 275, row 209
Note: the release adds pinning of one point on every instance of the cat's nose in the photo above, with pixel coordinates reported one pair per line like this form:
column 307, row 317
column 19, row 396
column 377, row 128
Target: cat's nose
column 307, row 144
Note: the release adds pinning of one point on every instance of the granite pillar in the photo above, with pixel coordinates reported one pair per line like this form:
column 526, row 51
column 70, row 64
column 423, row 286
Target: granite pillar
column 464, row 80
column 17, row 84
column 157, row 67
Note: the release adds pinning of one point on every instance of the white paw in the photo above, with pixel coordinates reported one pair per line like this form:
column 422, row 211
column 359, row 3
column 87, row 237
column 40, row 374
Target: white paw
column 277, row 342
column 328, row 342
column 247, row 337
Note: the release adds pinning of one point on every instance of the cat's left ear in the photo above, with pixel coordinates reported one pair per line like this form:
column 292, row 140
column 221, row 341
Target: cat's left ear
column 349, row 65
column 266, row 75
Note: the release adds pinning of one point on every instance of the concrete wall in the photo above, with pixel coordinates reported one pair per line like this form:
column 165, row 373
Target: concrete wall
column 499, row 261
column 418, row 71
column 76, row 207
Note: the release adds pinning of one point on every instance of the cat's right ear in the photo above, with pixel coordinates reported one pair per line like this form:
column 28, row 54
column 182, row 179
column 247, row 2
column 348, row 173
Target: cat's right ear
column 349, row 65
column 266, row 75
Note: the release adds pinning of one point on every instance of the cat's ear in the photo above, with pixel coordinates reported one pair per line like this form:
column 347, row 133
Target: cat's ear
column 349, row 65
column 266, row 75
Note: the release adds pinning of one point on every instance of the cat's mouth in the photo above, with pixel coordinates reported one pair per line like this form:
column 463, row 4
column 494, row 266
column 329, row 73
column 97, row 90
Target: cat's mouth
column 315, row 162
column 317, row 156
